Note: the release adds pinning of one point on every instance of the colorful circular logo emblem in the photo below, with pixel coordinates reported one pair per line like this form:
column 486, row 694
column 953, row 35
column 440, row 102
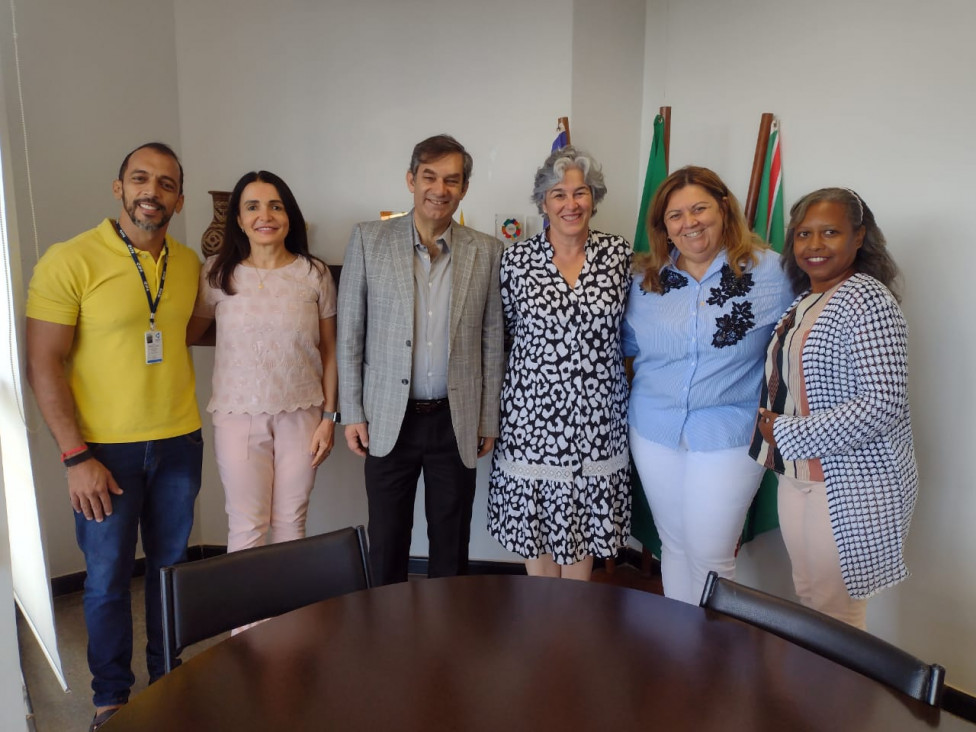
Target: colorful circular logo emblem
column 512, row 229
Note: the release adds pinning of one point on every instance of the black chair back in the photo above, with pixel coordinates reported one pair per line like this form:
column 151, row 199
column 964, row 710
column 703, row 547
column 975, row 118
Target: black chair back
column 826, row 636
column 210, row 596
column 958, row 702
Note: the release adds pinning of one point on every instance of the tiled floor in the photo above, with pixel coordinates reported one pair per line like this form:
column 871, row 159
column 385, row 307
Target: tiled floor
column 57, row 711
column 54, row 709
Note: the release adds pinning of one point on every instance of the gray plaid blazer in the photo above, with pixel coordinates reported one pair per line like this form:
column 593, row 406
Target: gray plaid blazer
column 375, row 333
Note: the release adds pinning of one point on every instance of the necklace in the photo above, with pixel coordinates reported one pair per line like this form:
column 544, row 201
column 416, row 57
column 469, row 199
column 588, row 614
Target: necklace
column 275, row 264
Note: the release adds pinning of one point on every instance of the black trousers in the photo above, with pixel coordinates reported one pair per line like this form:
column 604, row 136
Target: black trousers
column 426, row 443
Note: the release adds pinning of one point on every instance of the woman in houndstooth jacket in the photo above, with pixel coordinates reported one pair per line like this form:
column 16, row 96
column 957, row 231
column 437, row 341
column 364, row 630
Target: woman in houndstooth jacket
column 834, row 420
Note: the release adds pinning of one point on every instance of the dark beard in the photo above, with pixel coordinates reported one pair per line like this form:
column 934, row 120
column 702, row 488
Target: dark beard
column 132, row 208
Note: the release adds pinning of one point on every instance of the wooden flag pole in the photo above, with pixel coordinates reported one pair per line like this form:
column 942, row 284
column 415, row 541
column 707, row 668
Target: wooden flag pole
column 666, row 113
column 752, row 199
column 564, row 121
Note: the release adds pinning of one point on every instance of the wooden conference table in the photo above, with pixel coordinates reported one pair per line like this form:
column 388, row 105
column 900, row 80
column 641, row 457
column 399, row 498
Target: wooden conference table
column 505, row 653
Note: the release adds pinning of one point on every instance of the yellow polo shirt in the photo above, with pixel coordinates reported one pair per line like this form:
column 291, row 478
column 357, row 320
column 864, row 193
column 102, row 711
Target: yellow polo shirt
column 92, row 283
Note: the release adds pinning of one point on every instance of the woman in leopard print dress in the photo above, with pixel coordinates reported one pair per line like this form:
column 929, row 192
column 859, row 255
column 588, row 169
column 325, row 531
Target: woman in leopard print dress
column 559, row 491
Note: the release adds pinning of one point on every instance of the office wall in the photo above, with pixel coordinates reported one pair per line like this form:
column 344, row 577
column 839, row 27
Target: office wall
column 878, row 97
column 333, row 96
column 95, row 84
column 608, row 76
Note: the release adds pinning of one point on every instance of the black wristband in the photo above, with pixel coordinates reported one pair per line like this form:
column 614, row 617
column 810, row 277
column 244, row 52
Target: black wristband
column 77, row 459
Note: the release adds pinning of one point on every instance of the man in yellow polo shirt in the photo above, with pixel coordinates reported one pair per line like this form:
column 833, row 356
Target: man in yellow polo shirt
column 108, row 363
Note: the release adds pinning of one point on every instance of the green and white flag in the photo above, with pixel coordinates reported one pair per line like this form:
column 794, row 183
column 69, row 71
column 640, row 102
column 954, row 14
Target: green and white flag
column 657, row 171
column 642, row 523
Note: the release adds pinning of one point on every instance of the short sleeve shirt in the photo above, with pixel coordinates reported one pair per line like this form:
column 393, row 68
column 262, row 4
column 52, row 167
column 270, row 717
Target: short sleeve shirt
column 90, row 282
column 267, row 358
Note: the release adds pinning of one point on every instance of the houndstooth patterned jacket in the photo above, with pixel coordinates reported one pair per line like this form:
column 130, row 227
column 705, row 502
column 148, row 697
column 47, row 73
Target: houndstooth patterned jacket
column 855, row 365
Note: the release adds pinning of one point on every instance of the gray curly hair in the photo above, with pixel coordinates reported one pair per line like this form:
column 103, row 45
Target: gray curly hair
column 554, row 169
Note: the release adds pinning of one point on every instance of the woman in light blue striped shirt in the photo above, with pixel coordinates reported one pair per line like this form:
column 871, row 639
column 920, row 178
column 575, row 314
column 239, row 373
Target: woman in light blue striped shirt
column 702, row 306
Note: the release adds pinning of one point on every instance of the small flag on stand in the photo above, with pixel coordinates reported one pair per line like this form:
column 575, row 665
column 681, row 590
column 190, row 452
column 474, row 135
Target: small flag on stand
column 769, row 223
column 562, row 136
column 561, row 141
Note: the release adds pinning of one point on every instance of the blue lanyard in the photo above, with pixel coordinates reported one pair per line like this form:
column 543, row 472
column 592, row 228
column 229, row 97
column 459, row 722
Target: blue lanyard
column 153, row 304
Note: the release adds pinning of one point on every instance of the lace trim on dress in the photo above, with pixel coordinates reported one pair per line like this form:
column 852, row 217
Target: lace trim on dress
column 559, row 473
column 608, row 466
column 232, row 407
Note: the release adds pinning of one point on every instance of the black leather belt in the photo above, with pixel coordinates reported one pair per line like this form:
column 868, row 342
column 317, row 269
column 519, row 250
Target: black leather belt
column 425, row 406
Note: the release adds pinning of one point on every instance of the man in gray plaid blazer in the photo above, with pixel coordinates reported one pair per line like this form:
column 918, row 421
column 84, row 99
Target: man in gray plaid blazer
column 420, row 362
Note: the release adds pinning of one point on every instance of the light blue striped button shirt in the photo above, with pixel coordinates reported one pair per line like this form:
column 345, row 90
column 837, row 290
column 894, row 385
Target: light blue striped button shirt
column 698, row 353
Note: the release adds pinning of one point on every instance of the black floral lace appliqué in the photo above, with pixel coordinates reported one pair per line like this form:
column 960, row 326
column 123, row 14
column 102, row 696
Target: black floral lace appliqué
column 671, row 280
column 732, row 327
column 730, row 286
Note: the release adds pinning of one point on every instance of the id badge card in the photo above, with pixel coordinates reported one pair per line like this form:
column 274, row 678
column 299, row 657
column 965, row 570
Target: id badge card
column 154, row 346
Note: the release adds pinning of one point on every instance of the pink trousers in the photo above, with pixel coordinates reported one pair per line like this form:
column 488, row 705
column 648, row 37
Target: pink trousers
column 265, row 466
column 805, row 521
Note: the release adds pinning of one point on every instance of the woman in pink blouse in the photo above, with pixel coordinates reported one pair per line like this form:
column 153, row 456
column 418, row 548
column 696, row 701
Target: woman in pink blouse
column 274, row 380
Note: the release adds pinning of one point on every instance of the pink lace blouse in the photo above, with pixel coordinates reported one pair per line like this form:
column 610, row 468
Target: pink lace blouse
column 267, row 357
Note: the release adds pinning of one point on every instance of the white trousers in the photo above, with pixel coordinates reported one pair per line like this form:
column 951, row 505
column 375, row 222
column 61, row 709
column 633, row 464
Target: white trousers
column 805, row 521
column 699, row 501
column 267, row 472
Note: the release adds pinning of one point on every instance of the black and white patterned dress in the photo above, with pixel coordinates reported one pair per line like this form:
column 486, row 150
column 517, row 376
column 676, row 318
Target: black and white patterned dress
column 560, row 475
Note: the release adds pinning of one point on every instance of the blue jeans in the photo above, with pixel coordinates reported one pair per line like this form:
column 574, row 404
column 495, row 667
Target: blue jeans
column 160, row 480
